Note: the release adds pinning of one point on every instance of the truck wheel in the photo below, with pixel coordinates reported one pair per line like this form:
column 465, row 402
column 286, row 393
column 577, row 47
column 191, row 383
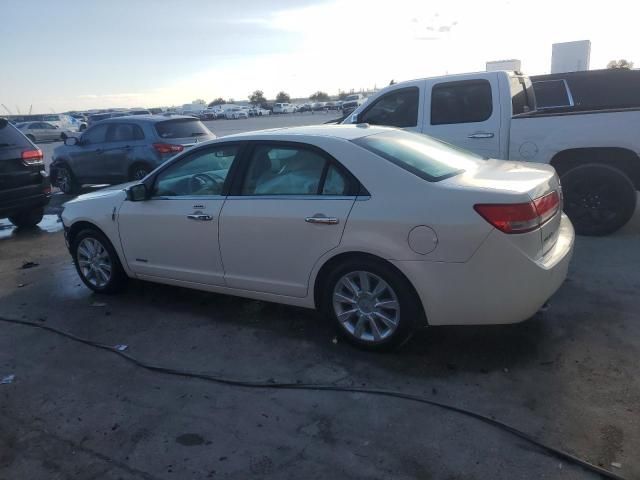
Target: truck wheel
column 599, row 199
column 27, row 219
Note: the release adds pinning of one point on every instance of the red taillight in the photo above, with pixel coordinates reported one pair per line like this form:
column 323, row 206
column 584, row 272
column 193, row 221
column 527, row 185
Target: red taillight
column 167, row 148
column 520, row 217
column 32, row 157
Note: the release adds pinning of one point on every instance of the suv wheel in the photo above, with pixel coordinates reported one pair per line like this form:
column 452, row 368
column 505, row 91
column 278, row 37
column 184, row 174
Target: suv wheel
column 599, row 199
column 139, row 171
column 97, row 262
column 65, row 180
column 373, row 306
column 28, row 219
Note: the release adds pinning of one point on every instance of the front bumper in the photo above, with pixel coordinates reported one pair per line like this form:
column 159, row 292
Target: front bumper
column 498, row 285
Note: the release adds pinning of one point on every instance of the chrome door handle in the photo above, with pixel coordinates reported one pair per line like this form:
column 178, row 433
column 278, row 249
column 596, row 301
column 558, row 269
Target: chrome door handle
column 481, row 135
column 322, row 220
column 200, row 217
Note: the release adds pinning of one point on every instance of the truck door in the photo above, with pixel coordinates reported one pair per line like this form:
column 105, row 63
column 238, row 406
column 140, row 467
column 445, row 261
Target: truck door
column 465, row 113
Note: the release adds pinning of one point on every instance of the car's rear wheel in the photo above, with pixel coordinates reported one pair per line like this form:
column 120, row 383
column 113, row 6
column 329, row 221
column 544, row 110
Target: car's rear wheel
column 28, row 218
column 139, row 171
column 66, row 181
column 97, row 262
column 374, row 306
column 599, row 199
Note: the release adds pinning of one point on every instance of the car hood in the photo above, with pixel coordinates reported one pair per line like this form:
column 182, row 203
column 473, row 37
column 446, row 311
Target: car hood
column 112, row 191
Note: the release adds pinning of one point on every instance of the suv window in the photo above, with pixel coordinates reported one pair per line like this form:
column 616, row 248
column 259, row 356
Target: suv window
column 125, row 132
column 201, row 173
column 181, row 128
column 426, row 157
column 466, row 101
column 398, row 108
column 292, row 170
column 10, row 137
column 97, row 134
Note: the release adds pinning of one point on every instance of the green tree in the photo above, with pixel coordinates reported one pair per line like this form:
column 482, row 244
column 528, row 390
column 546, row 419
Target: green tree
column 319, row 96
column 622, row 63
column 257, row 98
column 283, row 97
column 217, row 101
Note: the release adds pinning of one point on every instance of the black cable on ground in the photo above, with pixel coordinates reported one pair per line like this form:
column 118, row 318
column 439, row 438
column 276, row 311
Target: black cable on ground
column 117, row 349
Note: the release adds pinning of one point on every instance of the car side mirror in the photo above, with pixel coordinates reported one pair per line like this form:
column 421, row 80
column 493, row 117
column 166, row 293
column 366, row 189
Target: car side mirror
column 71, row 141
column 137, row 193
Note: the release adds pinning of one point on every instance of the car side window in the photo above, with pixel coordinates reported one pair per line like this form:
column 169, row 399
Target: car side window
column 466, row 101
column 291, row 170
column 124, row 132
column 97, row 134
column 202, row 173
column 398, row 108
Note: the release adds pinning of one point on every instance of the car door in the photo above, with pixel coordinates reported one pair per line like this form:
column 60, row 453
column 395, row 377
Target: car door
column 288, row 207
column 123, row 148
column 49, row 132
column 86, row 157
column 397, row 108
column 36, row 130
column 174, row 234
column 466, row 113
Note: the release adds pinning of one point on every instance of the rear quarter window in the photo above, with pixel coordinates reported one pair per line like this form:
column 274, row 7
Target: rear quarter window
column 181, row 128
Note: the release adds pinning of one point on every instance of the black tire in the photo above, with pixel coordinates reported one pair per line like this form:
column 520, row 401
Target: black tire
column 31, row 137
column 27, row 219
column 138, row 171
column 66, row 180
column 599, row 199
column 117, row 279
column 410, row 315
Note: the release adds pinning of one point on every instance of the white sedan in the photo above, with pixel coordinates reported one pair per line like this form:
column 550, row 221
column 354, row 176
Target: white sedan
column 383, row 230
column 236, row 113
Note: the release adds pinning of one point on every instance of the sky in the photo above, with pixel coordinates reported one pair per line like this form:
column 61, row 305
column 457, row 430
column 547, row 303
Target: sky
column 81, row 54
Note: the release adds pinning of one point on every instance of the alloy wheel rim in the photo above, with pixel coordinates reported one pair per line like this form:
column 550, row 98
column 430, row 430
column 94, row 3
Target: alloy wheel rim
column 139, row 174
column 94, row 262
column 366, row 306
column 63, row 180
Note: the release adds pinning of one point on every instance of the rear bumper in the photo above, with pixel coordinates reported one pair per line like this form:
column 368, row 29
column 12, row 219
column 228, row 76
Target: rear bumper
column 498, row 285
column 24, row 198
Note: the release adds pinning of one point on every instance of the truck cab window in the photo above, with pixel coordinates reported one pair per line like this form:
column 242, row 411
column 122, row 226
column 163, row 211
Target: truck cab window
column 466, row 101
column 398, row 108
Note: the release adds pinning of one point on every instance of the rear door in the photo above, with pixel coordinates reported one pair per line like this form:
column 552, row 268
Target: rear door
column 288, row 208
column 465, row 113
column 124, row 147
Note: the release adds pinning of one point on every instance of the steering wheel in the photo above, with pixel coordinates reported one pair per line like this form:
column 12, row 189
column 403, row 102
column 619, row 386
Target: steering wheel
column 202, row 181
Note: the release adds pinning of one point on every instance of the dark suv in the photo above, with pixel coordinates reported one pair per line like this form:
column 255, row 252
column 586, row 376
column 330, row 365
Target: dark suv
column 24, row 186
column 123, row 149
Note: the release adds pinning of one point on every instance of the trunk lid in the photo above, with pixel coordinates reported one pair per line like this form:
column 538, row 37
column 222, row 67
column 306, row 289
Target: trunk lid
column 503, row 182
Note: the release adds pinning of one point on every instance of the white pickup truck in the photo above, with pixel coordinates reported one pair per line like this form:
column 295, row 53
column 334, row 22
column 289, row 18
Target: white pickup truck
column 494, row 114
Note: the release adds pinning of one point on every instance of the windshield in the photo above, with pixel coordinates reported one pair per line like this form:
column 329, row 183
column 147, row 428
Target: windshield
column 421, row 155
column 181, row 128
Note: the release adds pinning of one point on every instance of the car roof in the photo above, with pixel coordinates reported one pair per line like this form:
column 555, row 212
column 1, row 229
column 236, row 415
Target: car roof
column 147, row 118
column 345, row 132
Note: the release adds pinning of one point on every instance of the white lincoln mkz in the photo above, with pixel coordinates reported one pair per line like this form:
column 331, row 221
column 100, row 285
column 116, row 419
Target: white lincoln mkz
column 383, row 230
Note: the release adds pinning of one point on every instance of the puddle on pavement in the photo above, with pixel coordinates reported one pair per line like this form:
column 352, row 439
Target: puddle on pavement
column 49, row 224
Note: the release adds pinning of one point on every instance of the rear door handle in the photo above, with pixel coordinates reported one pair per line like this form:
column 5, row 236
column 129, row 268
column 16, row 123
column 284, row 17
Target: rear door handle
column 200, row 217
column 481, row 135
column 322, row 220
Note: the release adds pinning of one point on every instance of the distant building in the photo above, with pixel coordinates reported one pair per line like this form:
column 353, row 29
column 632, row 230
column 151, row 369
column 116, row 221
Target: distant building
column 570, row 56
column 498, row 65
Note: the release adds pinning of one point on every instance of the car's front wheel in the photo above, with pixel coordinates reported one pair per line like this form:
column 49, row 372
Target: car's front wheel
column 27, row 219
column 374, row 306
column 97, row 262
column 139, row 171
